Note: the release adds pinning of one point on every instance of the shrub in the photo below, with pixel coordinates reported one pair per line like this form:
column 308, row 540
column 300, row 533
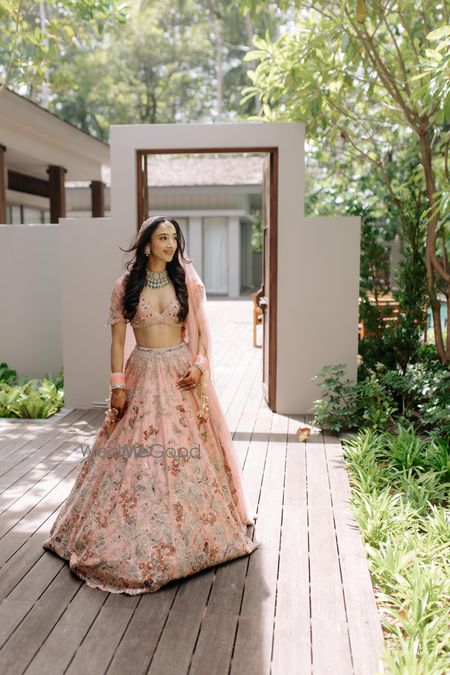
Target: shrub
column 420, row 395
column 35, row 398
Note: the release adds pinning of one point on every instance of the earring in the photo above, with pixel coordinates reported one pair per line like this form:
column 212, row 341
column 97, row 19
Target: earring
column 146, row 251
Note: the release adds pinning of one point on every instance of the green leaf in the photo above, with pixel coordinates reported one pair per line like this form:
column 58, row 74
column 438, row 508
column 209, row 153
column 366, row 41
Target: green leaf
column 447, row 108
column 432, row 53
column 438, row 33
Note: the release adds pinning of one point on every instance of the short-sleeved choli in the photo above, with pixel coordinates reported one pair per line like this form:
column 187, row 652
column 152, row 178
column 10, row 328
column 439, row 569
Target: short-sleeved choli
column 146, row 314
column 116, row 309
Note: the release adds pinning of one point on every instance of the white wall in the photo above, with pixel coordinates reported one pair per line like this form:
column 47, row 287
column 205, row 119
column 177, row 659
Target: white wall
column 318, row 291
column 30, row 336
column 90, row 263
column 318, row 271
column 318, row 259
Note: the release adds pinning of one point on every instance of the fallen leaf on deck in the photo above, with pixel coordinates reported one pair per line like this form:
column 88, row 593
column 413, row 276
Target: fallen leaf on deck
column 303, row 433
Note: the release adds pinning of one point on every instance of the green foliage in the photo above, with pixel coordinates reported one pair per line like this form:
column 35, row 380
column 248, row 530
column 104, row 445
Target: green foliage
column 6, row 374
column 35, row 398
column 434, row 70
column 371, row 90
column 57, row 380
column 257, row 231
column 394, row 344
column 400, row 488
column 419, row 396
column 338, row 408
column 28, row 44
column 163, row 65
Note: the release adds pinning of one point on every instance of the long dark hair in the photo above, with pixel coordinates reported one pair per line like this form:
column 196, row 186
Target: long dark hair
column 135, row 278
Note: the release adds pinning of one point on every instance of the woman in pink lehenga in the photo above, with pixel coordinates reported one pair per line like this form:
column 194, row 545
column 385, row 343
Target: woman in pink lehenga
column 160, row 494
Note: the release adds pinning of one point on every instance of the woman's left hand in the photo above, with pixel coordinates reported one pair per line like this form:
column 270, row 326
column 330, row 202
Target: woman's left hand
column 190, row 379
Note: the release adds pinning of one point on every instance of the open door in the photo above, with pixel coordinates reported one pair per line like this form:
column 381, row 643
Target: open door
column 266, row 295
column 142, row 188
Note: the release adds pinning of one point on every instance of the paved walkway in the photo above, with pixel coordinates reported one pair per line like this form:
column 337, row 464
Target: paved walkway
column 301, row 603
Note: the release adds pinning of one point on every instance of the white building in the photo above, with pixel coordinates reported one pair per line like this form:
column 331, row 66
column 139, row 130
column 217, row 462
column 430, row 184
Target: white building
column 52, row 170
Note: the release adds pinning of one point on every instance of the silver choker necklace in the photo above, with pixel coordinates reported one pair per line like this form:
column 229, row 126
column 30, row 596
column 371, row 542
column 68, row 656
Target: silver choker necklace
column 156, row 279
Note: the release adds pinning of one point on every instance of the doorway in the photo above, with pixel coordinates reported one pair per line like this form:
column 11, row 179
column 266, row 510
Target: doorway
column 266, row 296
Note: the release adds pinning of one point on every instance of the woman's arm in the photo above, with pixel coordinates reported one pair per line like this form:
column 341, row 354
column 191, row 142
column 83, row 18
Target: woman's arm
column 118, row 333
column 201, row 345
column 118, row 395
column 201, row 357
column 118, row 325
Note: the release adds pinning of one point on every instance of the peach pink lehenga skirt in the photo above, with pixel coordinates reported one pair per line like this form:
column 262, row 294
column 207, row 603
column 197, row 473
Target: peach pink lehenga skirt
column 154, row 499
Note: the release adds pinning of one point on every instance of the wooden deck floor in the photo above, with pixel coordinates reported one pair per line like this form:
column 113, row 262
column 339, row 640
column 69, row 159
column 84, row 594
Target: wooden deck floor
column 301, row 603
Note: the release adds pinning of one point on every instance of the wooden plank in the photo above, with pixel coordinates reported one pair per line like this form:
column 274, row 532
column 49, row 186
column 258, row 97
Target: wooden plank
column 11, row 614
column 48, row 484
column 22, row 547
column 100, row 642
column 366, row 636
column 292, row 634
column 253, row 646
column 31, row 437
column 214, row 649
column 244, row 414
column 68, row 632
column 234, row 367
column 227, row 590
column 143, row 632
column 37, row 450
column 247, row 385
column 330, row 637
column 26, row 640
column 66, row 458
column 177, row 641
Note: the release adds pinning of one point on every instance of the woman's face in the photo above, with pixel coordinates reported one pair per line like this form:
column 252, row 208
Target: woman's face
column 163, row 242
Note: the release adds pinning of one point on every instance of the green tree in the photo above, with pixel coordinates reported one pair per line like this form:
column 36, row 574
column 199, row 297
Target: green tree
column 162, row 66
column 372, row 82
column 155, row 69
column 34, row 35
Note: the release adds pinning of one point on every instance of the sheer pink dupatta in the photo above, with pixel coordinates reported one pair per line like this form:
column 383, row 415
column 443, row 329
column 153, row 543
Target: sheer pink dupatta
column 195, row 331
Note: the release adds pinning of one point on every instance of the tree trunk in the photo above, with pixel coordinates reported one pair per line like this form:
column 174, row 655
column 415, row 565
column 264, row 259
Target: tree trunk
column 432, row 263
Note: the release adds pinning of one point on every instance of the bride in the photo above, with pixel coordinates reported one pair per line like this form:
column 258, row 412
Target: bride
column 160, row 495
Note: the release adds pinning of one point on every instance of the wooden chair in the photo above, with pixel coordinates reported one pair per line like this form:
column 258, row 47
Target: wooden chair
column 257, row 319
column 386, row 300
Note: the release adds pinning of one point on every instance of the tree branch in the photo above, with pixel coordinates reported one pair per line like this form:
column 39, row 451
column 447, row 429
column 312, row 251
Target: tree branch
column 399, row 54
column 384, row 75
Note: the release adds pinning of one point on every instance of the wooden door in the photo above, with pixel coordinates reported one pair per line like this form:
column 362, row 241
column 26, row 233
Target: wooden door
column 142, row 188
column 266, row 295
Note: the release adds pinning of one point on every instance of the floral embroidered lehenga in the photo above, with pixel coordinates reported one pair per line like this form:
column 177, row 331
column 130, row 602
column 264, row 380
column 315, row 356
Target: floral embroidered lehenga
column 159, row 496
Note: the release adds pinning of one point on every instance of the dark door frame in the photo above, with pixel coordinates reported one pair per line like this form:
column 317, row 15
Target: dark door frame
column 142, row 214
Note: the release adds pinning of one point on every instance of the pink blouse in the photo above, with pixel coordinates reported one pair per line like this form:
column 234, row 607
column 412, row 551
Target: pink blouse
column 146, row 314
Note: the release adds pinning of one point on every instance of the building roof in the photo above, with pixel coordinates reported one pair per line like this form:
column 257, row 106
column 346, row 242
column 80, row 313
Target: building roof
column 26, row 101
column 197, row 171
column 36, row 138
column 190, row 171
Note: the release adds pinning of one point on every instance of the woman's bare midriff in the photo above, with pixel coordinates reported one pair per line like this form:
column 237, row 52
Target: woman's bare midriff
column 159, row 335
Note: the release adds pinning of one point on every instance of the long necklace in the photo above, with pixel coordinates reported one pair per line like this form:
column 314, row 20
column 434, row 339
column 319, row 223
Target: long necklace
column 156, row 279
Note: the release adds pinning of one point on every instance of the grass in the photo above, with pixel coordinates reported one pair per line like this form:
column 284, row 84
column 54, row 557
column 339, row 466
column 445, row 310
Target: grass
column 400, row 489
